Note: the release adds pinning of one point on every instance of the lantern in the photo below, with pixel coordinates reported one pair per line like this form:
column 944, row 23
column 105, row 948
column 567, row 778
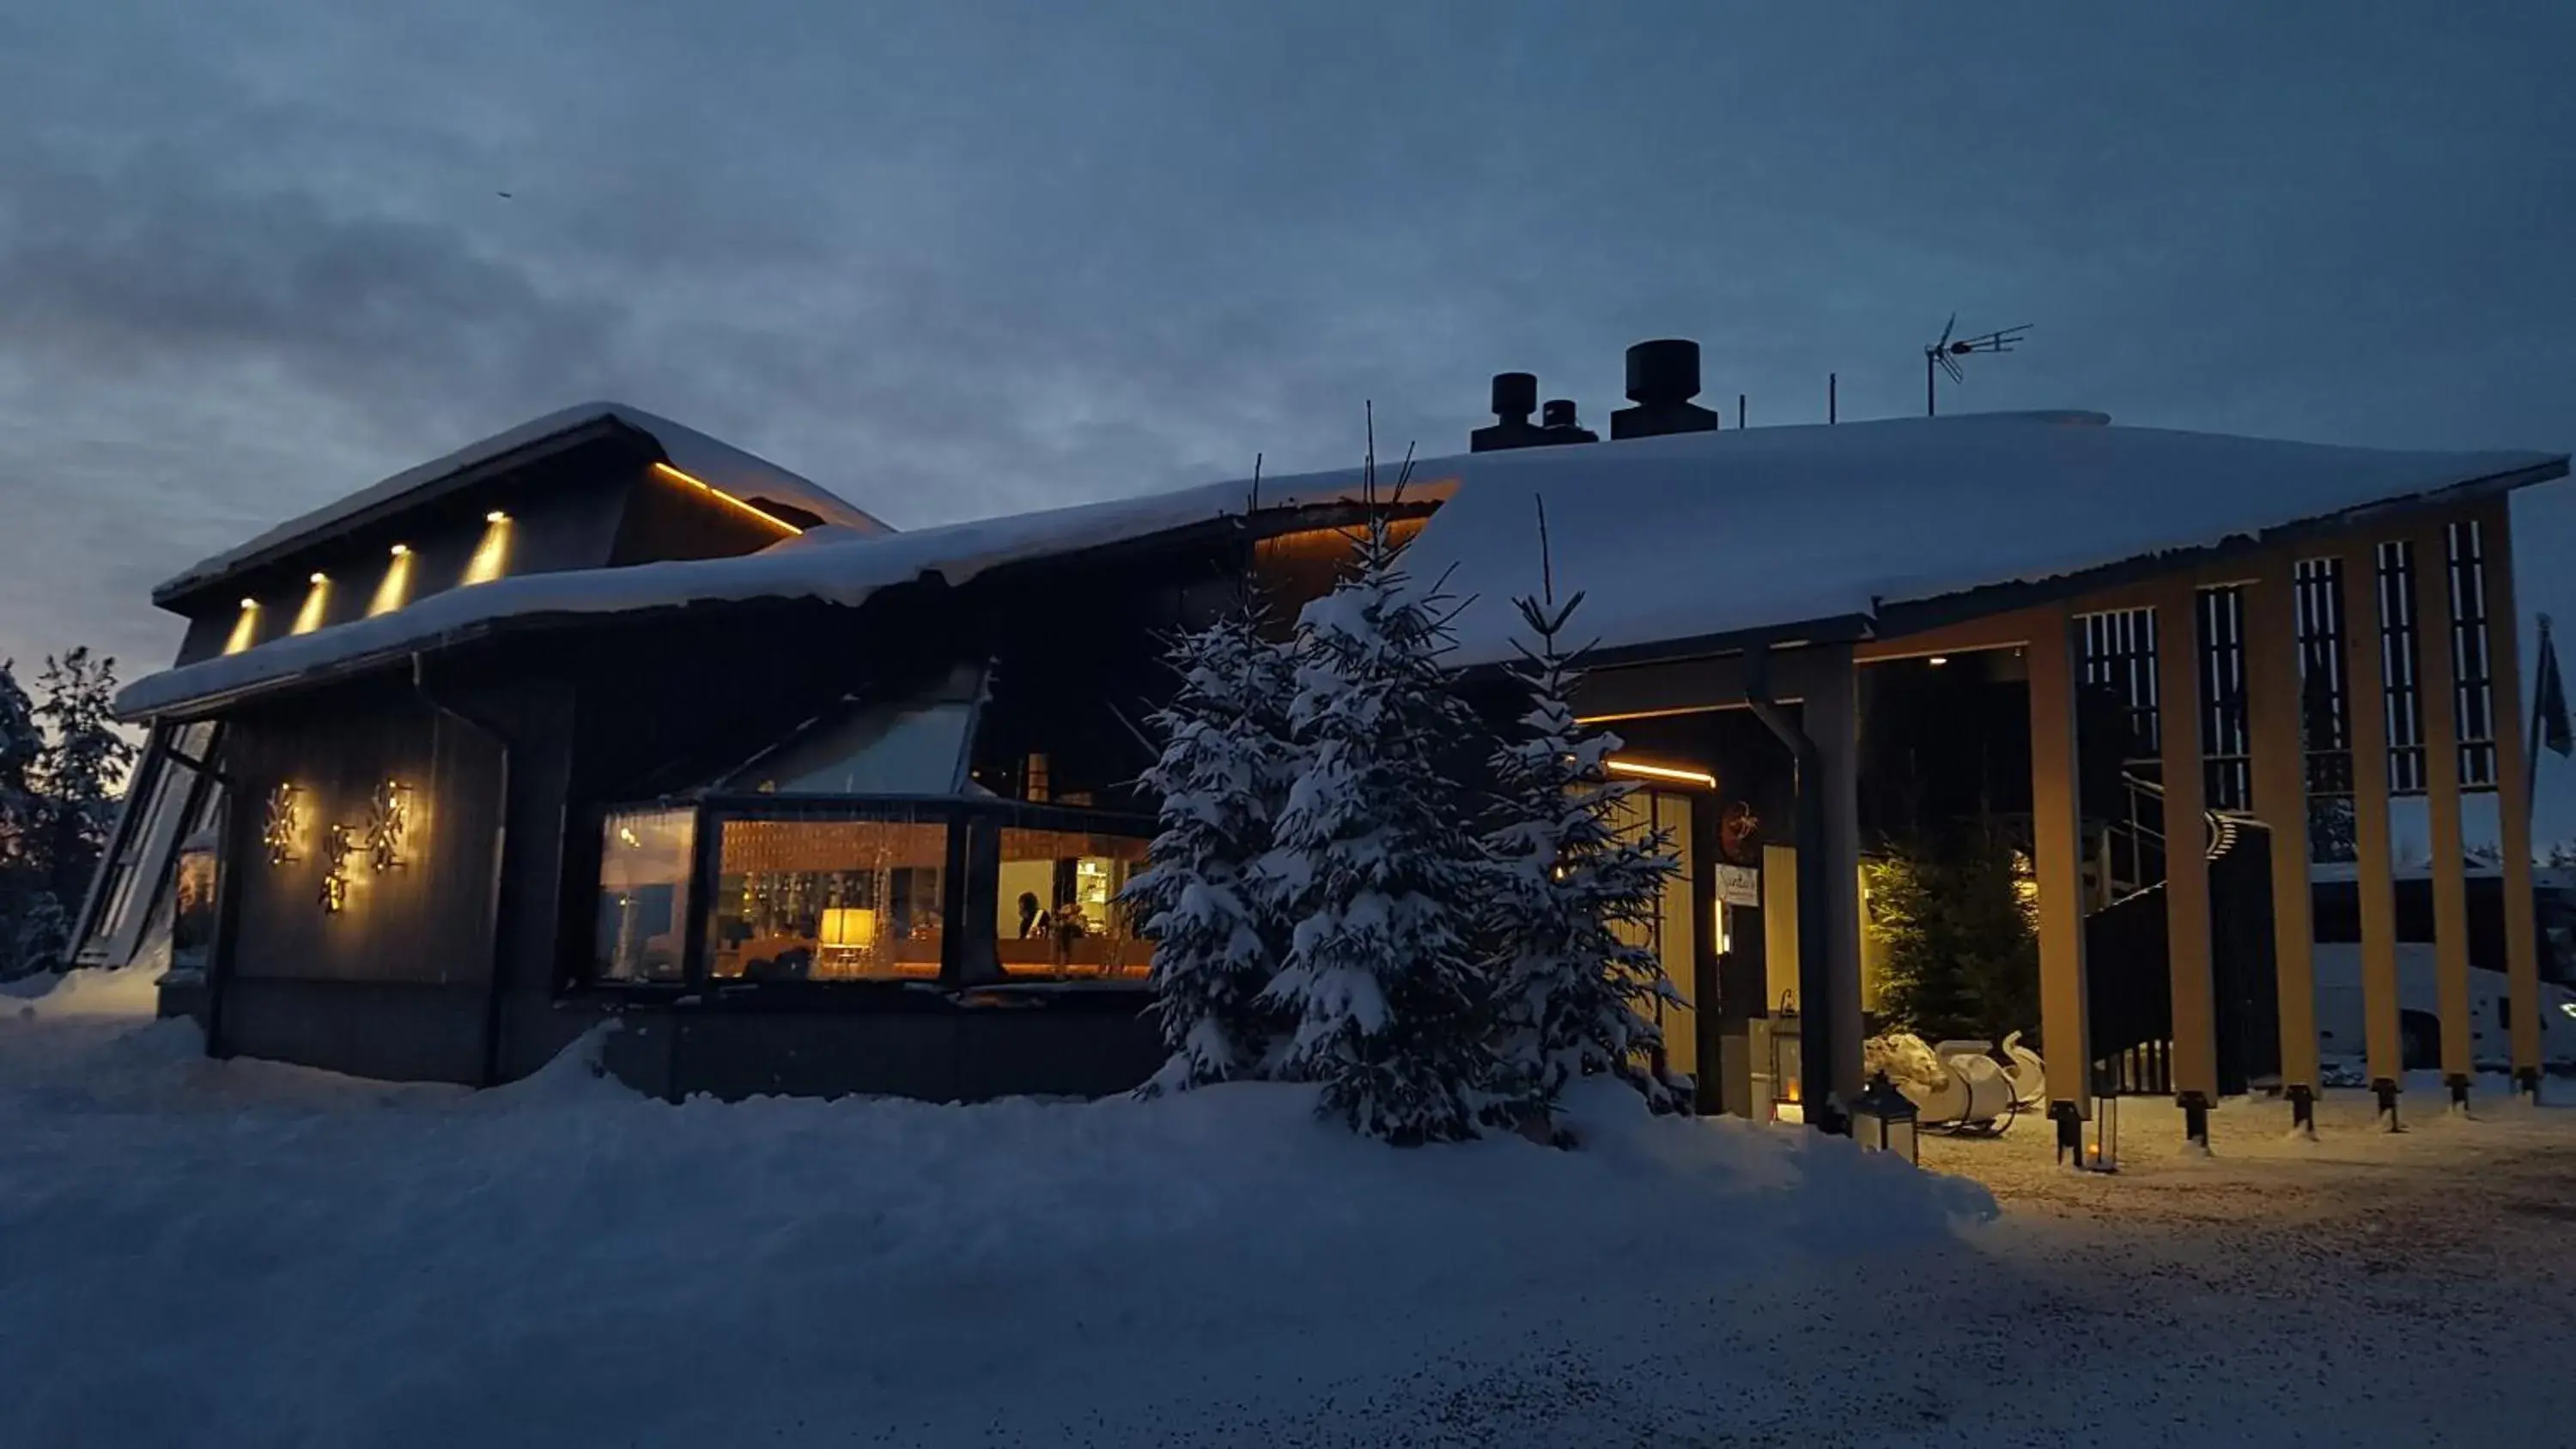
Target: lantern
column 2102, row 1137
column 1882, row 1120
column 1788, row 1068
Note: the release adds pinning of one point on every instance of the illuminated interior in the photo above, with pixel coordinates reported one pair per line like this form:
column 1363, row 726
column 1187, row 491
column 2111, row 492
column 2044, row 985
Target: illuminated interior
column 1057, row 912
column 675, row 475
column 317, row 606
column 492, row 554
column 821, row 900
column 395, row 589
column 245, row 628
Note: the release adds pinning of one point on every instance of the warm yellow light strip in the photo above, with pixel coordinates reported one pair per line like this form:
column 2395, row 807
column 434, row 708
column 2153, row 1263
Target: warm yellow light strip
column 245, row 628
column 317, row 606
column 1701, row 778
column 667, row 471
column 492, row 555
column 395, row 588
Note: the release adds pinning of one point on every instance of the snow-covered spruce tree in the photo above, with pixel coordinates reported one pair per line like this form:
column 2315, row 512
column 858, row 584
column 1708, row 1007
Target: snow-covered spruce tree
column 1376, row 864
column 1222, row 776
column 1572, row 899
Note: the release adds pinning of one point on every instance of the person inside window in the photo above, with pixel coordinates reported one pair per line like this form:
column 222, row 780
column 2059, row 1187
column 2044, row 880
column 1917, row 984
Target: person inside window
column 1033, row 921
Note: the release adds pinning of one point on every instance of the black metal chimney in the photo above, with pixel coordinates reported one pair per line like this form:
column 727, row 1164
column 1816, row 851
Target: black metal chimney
column 1515, row 398
column 1663, row 377
column 1560, row 425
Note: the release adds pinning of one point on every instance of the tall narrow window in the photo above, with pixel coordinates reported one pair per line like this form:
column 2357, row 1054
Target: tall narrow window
column 646, row 859
column 2324, row 724
column 2226, row 743
column 2473, row 669
column 2397, row 663
column 2120, row 655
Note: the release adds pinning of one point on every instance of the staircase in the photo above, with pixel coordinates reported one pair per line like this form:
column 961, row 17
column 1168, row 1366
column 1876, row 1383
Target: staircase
column 2128, row 981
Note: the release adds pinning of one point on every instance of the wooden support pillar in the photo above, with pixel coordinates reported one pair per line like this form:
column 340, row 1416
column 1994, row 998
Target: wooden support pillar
column 2513, row 797
column 1831, row 712
column 2436, row 704
column 2187, row 952
column 2057, row 834
column 2374, row 870
column 2273, row 702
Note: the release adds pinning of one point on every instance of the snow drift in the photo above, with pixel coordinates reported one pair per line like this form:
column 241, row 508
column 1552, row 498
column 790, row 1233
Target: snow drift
column 200, row 1251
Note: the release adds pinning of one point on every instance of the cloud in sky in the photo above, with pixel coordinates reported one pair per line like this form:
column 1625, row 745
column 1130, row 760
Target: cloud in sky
column 962, row 258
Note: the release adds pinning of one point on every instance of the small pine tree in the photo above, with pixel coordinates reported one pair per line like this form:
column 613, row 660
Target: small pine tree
column 1376, row 863
column 82, row 767
column 1222, row 776
column 1573, row 897
column 1961, row 941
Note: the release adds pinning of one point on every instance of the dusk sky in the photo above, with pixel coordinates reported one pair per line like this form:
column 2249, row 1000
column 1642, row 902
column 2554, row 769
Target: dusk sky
column 964, row 258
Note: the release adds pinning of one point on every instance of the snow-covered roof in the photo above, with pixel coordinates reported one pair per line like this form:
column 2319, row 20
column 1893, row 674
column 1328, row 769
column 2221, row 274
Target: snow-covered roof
column 1670, row 538
column 720, row 464
column 1716, row 533
column 836, row 565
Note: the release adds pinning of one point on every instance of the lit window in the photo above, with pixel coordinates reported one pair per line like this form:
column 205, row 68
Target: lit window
column 645, row 861
column 828, row 900
column 1057, row 908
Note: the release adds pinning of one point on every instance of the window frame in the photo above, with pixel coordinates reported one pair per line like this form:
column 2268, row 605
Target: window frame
column 974, row 827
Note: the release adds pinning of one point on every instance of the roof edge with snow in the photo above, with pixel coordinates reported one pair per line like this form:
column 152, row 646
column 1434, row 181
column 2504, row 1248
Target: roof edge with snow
column 744, row 475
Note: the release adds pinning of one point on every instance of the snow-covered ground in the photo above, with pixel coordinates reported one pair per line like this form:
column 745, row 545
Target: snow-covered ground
column 194, row 1252
column 200, row 1253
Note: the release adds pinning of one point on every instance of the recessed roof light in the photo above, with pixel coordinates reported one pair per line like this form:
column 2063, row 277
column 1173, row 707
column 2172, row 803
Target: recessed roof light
column 321, row 578
column 496, row 516
column 400, row 549
column 250, row 603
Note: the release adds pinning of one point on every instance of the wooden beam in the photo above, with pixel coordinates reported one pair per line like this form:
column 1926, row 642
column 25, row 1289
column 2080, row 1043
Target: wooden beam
column 2057, row 831
column 1994, row 631
column 2374, row 873
column 2187, row 942
column 2513, row 798
column 2274, row 694
column 2436, row 705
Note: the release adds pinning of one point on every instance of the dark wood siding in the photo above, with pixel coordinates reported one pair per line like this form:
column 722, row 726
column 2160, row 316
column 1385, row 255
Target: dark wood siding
column 423, row 926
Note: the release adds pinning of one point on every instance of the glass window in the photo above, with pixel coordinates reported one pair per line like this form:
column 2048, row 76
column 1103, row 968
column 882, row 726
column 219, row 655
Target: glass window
column 828, row 900
column 645, row 861
column 915, row 746
column 133, row 880
column 1057, row 911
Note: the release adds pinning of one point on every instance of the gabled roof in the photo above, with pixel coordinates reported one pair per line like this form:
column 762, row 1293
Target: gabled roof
column 720, row 464
column 1692, row 537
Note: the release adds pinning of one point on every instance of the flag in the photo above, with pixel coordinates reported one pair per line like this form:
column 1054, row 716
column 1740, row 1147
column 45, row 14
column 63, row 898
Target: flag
column 2549, row 701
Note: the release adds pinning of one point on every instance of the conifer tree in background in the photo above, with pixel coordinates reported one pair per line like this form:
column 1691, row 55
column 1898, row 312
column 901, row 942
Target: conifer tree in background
column 1375, row 861
column 81, row 770
column 1222, row 776
column 23, row 877
column 1573, row 900
column 1960, row 936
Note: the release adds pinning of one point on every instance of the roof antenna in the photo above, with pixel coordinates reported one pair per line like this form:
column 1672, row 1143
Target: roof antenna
column 1942, row 356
